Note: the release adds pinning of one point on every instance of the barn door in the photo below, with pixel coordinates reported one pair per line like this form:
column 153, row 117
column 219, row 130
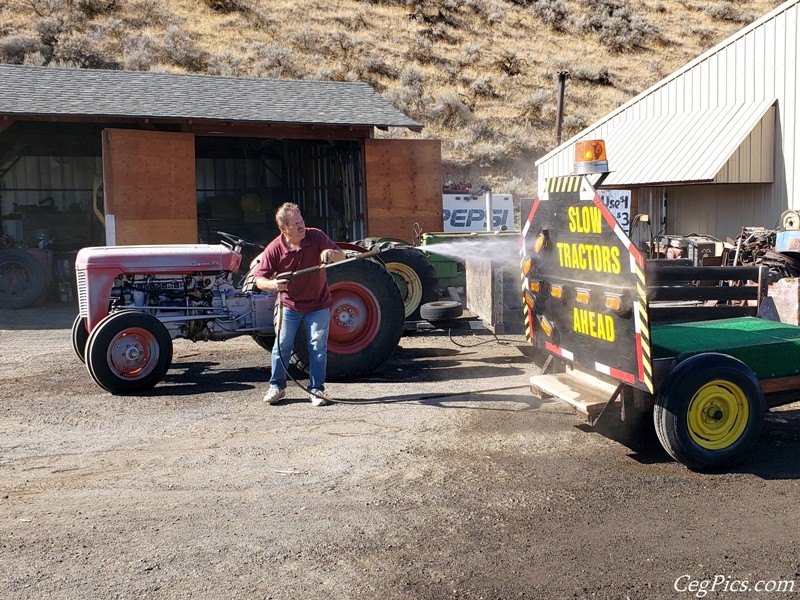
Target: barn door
column 149, row 187
column 404, row 187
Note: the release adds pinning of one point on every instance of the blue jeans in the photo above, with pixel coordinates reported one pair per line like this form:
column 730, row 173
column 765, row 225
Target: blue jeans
column 316, row 326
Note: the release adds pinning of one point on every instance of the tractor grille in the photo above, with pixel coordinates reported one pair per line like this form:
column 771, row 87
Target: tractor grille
column 83, row 292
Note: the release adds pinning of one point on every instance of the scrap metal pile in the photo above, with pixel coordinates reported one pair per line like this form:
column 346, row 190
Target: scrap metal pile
column 757, row 246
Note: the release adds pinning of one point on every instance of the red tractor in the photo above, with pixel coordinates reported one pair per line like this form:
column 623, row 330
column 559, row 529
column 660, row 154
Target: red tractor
column 134, row 300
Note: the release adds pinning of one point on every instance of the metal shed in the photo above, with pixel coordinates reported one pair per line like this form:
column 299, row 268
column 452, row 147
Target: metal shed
column 100, row 156
column 711, row 148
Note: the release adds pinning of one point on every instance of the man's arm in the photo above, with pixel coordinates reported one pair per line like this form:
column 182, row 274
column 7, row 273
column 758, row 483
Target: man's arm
column 271, row 285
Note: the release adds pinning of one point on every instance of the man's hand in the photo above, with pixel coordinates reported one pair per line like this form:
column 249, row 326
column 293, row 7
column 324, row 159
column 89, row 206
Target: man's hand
column 280, row 285
column 329, row 256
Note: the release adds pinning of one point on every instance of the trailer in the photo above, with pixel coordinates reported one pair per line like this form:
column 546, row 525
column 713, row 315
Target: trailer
column 630, row 338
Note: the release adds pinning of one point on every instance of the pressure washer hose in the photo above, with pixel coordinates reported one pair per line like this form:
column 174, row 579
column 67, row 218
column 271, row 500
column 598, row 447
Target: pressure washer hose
column 422, row 397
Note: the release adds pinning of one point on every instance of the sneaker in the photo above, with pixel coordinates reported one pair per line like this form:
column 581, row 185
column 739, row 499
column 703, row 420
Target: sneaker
column 274, row 395
column 317, row 397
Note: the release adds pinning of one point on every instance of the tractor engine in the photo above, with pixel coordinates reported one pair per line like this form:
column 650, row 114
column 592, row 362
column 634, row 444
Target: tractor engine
column 201, row 306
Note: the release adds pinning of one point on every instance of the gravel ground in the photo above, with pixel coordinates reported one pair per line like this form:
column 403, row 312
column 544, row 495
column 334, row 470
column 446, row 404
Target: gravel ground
column 445, row 478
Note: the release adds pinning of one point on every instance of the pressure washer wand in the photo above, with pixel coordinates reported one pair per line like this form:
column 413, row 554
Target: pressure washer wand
column 289, row 275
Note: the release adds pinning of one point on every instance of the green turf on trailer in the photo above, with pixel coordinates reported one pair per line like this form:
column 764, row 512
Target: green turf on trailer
column 771, row 349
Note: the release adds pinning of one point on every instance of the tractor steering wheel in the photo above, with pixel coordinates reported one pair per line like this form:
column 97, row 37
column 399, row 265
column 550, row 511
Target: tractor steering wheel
column 235, row 243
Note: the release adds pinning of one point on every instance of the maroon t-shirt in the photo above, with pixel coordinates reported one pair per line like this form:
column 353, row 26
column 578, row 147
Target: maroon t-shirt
column 309, row 292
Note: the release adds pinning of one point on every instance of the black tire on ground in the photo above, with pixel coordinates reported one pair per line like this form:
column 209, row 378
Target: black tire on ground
column 366, row 320
column 441, row 310
column 128, row 352
column 414, row 275
column 79, row 337
column 22, row 278
column 709, row 411
column 265, row 341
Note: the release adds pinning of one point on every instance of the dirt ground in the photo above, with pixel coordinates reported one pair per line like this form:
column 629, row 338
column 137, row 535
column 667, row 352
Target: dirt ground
column 446, row 479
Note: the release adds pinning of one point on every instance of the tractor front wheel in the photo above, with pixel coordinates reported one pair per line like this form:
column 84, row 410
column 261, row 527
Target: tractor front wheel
column 79, row 337
column 128, row 352
column 709, row 411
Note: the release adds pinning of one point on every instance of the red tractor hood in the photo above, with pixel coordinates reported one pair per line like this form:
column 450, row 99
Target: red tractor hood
column 167, row 258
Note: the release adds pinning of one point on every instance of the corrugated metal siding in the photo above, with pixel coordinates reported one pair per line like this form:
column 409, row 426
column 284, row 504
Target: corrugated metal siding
column 65, row 179
column 721, row 210
column 754, row 66
column 753, row 160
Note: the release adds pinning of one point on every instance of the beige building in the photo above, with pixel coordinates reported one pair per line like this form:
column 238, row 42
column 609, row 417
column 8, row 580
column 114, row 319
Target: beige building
column 711, row 148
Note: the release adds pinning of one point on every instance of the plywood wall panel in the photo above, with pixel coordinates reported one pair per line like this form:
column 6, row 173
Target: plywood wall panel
column 149, row 183
column 403, row 187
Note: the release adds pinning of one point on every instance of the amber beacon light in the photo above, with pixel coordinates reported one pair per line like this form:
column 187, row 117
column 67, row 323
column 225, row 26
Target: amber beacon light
column 590, row 157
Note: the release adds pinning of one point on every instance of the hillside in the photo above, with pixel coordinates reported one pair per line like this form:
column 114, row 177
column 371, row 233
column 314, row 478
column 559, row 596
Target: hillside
column 479, row 74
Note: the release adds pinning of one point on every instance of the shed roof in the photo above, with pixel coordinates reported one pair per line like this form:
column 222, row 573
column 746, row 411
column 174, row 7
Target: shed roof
column 47, row 91
column 688, row 146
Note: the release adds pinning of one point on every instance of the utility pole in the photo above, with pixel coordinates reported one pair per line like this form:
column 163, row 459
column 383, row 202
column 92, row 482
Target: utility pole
column 562, row 78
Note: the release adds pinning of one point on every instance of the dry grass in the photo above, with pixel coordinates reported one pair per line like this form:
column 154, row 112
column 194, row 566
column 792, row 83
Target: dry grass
column 479, row 74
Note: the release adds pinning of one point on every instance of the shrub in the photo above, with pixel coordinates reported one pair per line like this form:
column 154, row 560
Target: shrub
column 470, row 55
column 305, row 39
column 411, row 98
column 705, row 36
column 93, row 8
column 420, row 50
column 618, row 28
column 227, row 6
column 597, row 75
column 146, row 12
column 377, row 66
column 341, row 44
column 34, row 59
column 82, row 50
column 483, row 87
column 509, row 63
column 451, row 111
column 180, row 50
column 533, row 106
column 277, row 61
column 412, row 77
column 439, row 33
column 14, row 48
column 574, row 122
column 226, row 64
column 551, row 12
column 725, row 11
column 45, row 8
column 141, row 53
column 494, row 13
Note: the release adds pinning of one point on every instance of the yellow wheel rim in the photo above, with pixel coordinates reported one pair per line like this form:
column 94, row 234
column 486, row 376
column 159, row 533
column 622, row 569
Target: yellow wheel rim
column 718, row 414
column 409, row 284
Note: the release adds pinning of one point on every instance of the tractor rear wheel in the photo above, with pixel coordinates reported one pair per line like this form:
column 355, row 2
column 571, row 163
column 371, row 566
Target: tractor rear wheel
column 366, row 320
column 22, row 278
column 709, row 411
column 128, row 352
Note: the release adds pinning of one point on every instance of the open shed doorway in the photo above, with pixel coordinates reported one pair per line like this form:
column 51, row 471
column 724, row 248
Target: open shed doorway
column 241, row 181
column 51, row 185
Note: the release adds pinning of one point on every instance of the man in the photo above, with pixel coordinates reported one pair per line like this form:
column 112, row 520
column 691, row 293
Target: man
column 305, row 300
